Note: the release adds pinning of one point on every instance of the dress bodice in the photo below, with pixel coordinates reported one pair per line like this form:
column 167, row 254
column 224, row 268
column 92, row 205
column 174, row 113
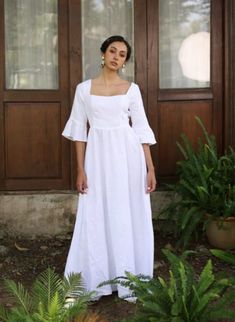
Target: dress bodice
column 108, row 111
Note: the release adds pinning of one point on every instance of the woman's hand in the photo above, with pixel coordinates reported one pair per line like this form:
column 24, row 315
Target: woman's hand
column 81, row 182
column 151, row 181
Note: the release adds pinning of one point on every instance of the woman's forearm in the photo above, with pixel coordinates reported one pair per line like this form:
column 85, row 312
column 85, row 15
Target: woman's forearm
column 148, row 157
column 80, row 154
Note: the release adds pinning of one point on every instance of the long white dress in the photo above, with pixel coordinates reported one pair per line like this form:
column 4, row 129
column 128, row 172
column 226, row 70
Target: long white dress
column 113, row 231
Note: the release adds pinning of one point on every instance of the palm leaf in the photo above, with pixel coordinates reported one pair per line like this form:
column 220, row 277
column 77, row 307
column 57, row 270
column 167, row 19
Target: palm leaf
column 45, row 287
column 3, row 313
column 73, row 285
column 19, row 315
column 20, row 294
column 55, row 307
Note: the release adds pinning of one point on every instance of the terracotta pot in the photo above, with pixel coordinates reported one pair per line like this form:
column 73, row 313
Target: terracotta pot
column 221, row 233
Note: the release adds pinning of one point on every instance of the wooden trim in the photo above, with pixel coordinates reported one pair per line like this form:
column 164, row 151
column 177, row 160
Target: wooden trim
column 153, row 70
column 2, row 72
column 229, row 74
column 217, row 81
column 75, row 45
column 185, row 95
column 140, row 43
column 31, row 95
column 64, row 85
column 75, row 67
column 40, row 184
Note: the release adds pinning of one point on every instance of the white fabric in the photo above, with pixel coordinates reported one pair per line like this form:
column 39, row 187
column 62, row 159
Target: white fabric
column 113, row 230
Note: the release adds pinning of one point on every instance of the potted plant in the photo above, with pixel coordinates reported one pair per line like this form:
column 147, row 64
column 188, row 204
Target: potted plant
column 205, row 189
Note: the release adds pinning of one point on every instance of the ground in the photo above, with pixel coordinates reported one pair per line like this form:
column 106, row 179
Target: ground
column 23, row 259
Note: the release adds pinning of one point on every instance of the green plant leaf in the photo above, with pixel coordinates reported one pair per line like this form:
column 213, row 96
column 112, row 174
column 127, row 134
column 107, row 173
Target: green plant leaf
column 20, row 294
column 45, row 287
column 3, row 313
column 206, row 279
column 223, row 255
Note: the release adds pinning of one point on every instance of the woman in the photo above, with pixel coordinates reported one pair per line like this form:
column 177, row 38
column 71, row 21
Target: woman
column 115, row 174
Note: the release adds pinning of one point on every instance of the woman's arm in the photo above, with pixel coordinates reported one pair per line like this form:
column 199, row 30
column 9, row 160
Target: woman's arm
column 151, row 179
column 81, row 182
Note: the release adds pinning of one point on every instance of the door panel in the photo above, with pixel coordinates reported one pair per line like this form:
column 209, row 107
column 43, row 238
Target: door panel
column 174, row 118
column 32, row 136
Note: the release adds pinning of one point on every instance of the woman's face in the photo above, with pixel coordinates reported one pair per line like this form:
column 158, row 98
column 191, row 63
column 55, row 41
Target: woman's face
column 115, row 55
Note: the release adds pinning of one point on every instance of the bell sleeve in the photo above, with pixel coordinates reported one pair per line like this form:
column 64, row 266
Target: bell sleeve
column 138, row 118
column 76, row 126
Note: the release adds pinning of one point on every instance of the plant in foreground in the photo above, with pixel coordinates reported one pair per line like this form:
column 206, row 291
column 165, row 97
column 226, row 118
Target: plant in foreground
column 224, row 256
column 47, row 300
column 227, row 257
column 182, row 297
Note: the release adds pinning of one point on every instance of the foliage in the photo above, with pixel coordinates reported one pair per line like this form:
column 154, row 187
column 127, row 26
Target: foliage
column 182, row 297
column 47, row 300
column 206, row 185
column 224, row 256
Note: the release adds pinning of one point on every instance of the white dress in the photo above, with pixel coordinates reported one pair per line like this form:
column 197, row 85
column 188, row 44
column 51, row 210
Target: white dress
column 113, row 231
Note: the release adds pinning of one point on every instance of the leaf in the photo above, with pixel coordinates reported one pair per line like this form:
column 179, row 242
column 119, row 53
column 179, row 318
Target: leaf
column 21, row 249
column 73, row 285
column 55, row 307
column 45, row 287
column 3, row 314
column 221, row 310
column 20, row 294
column 223, row 255
column 206, row 279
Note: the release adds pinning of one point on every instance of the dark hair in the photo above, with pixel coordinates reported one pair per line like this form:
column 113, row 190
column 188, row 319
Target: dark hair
column 112, row 39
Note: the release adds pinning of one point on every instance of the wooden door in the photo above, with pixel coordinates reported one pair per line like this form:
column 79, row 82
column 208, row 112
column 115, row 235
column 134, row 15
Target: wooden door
column 172, row 111
column 33, row 155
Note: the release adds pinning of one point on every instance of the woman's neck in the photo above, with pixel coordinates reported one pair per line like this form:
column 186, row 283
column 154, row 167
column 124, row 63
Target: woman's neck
column 107, row 76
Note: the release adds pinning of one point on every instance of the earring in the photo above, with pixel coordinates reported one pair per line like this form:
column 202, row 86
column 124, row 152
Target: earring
column 102, row 61
column 123, row 68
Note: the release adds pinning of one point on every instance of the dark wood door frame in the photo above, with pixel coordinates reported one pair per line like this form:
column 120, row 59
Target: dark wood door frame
column 2, row 181
column 229, row 74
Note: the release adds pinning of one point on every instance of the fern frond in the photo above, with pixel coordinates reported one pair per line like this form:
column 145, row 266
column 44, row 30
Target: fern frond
column 73, row 285
column 3, row 314
column 223, row 255
column 45, row 287
column 20, row 294
column 206, row 279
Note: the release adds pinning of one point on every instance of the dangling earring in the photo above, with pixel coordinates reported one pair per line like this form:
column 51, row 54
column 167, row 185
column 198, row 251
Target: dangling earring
column 102, row 61
column 123, row 68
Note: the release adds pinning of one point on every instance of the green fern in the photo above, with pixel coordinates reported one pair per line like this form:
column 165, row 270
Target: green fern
column 20, row 295
column 182, row 296
column 47, row 300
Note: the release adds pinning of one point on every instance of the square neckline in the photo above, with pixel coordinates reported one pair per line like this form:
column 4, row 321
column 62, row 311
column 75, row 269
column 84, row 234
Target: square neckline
column 109, row 95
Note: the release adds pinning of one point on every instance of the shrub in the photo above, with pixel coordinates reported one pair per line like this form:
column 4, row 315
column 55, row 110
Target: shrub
column 181, row 297
column 206, row 185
